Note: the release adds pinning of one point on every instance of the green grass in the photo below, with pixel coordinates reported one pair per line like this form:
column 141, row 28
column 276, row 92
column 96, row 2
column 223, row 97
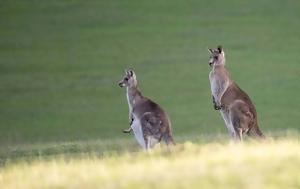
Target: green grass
column 60, row 62
column 60, row 105
column 271, row 164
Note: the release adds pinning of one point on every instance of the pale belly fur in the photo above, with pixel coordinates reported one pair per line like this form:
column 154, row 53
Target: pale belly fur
column 138, row 132
column 218, row 86
column 227, row 121
column 214, row 88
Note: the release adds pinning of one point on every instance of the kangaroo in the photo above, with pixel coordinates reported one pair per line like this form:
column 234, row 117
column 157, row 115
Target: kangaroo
column 149, row 122
column 235, row 105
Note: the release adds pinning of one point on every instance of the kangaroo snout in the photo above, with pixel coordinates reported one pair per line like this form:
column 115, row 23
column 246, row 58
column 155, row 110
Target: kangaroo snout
column 121, row 84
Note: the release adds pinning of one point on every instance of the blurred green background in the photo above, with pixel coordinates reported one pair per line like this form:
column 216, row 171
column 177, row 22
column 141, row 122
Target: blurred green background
column 60, row 62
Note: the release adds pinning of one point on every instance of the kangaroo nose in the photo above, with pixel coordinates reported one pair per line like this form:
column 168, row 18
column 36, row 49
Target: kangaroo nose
column 120, row 84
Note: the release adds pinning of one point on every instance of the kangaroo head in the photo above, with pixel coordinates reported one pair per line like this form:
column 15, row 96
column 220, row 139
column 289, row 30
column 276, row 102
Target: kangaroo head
column 129, row 80
column 217, row 56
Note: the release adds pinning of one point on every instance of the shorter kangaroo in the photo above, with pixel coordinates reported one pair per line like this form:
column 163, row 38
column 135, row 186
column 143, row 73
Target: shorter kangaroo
column 149, row 122
column 234, row 104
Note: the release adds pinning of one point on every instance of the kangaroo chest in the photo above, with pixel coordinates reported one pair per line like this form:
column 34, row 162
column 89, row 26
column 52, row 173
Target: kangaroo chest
column 136, row 124
column 129, row 103
column 218, row 83
column 214, row 83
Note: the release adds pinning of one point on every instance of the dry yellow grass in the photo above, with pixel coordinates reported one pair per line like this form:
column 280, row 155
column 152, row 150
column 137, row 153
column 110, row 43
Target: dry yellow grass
column 214, row 165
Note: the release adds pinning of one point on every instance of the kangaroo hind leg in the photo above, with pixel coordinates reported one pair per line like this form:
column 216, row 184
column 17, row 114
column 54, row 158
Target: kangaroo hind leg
column 150, row 127
column 239, row 119
column 151, row 142
column 236, row 124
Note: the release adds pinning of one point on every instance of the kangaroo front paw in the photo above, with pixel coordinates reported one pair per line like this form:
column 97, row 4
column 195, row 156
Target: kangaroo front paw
column 127, row 130
column 218, row 107
column 222, row 106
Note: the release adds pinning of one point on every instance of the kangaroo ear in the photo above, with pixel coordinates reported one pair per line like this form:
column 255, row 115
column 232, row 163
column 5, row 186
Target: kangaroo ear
column 210, row 50
column 220, row 49
column 127, row 72
column 130, row 72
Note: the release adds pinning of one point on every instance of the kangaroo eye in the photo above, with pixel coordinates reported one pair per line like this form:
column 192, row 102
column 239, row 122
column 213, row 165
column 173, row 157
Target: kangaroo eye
column 126, row 79
column 216, row 57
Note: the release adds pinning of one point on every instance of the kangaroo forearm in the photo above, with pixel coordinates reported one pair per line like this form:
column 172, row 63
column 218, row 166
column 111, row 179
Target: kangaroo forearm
column 213, row 99
column 217, row 97
column 220, row 91
column 131, row 121
column 130, row 118
column 216, row 105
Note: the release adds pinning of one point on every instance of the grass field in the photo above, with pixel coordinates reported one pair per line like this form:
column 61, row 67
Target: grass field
column 274, row 164
column 60, row 62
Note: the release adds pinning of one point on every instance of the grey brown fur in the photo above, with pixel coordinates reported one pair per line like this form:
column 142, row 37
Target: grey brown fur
column 145, row 114
column 234, row 104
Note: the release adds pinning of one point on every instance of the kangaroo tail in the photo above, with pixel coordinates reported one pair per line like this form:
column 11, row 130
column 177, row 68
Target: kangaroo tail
column 256, row 132
column 169, row 139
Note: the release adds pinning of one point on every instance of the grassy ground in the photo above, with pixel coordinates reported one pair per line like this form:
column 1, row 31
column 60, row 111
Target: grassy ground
column 60, row 62
column 272, row 164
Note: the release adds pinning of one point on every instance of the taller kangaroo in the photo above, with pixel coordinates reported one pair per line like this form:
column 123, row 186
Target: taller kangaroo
column 234, row 104
column 149, row 122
